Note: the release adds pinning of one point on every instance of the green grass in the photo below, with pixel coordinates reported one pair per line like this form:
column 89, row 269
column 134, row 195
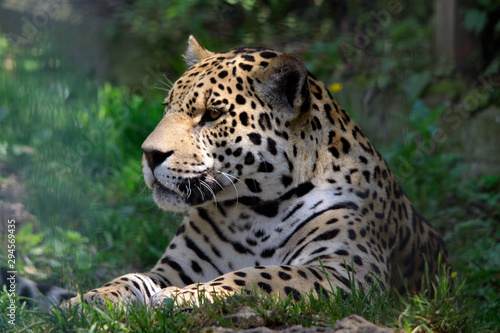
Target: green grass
column 442, row 307
column 74, row 145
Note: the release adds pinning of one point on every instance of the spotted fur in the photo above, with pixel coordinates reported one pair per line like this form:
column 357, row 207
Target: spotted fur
column 283, row 191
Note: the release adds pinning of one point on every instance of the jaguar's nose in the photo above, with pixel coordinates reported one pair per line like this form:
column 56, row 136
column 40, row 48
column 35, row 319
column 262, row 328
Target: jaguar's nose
column 155, row 157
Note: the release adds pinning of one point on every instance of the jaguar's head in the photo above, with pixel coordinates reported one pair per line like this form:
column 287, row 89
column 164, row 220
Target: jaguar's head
column 233, row 125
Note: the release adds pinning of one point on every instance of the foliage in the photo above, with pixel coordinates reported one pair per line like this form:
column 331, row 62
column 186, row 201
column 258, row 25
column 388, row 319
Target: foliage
column 441, row 307
column 420, row 162
column 474, row 209
column 479, row 14
column 482, row 18
column 65, row 137
column 475, row 20
column 75, row 145
column 152, row 19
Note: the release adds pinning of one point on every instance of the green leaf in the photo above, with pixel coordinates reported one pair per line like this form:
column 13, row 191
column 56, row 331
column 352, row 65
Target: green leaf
column 475, row 20
column 419, row 112
column 383, row 81
column 246, row 4
column 30, row 65
column 28, row 238
column 4, row 45
column 414, row 85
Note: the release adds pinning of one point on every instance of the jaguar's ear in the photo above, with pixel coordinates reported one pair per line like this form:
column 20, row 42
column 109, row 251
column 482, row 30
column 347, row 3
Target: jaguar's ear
column 195, row 52
column 284, row 83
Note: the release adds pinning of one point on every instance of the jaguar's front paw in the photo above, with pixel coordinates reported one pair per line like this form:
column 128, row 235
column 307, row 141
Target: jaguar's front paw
column 89, row 298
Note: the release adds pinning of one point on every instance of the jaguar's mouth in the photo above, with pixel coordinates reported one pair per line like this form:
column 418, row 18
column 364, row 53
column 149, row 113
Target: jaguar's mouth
column 189, row 191
column 159, row 187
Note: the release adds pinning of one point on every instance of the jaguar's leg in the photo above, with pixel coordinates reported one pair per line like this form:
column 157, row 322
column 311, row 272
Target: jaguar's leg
column 281, row 280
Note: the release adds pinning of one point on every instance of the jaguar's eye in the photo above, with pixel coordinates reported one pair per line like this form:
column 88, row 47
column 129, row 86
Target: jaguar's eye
column 214, row 114
column 210, row 115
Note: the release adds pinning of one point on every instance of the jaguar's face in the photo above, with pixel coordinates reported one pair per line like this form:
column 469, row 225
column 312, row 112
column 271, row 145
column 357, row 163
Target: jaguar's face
column 224, row 132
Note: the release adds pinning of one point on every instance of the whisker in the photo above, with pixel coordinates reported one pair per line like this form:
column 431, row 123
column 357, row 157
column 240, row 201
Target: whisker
column 151, row 206
column 232, row 183
column 142, row 184
column 215, row 181
column 188, row 188
column 228, row 175
column 201, row 192
column 237, row 179
column 211, row 191
column 161, row 88
column 262, row 160
column 230, row 180
column 167, row 81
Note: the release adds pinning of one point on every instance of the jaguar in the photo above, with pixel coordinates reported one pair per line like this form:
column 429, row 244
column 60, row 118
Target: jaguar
column 283, row 193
